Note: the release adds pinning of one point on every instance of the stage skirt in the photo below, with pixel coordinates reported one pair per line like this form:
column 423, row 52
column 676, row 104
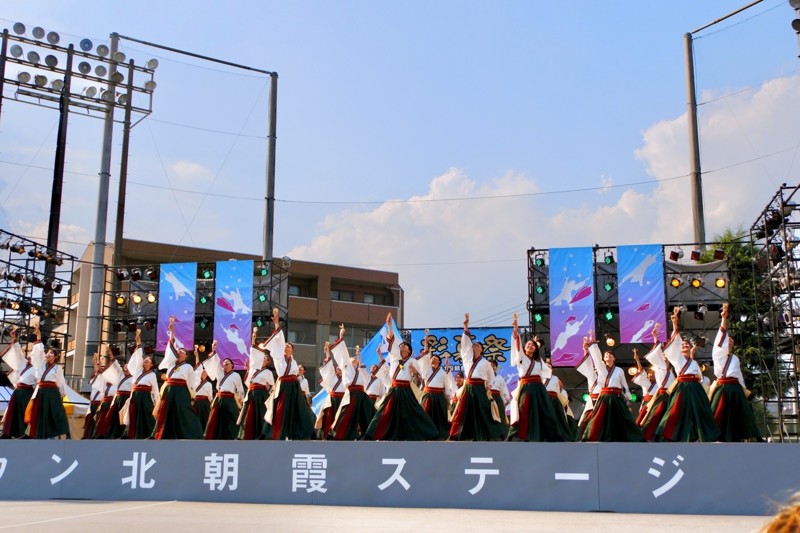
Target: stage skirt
column 48, row 417
column 141, row 421
column 100, row 418
column 472, row 419
column 14, row 417
column 252, row 424
column 114, row 428
column 688, row 416
column 91, row 420
column 536, row 422
column 400, row 417
column 354, row 418
column 329, row 416
column 564, row 429
column 175, row 418
column 611, row 420
column 497, row 398
column 434, row 403
column 732, row 412
column 291, row 417
column 223, row 417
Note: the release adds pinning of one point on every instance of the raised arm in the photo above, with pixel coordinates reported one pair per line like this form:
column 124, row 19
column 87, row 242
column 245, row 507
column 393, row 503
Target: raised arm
column 516, row 343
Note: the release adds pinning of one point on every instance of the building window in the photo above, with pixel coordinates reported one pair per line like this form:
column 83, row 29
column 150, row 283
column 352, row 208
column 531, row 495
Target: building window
column 342, row 296
column 302, row 333
column 294, row 290
column 369, row 298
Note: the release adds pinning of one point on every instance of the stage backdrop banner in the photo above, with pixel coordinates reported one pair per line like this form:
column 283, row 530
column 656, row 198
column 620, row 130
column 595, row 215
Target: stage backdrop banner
column 571, row 303
column 233, row 310
column 640, row 272
column 176, row 290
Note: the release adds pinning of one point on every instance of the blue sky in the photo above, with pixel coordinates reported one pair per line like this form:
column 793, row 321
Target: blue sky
column 419, row 103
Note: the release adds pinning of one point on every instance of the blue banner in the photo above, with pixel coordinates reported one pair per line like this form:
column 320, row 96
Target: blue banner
column 176, row 291
column 233, row 310
column 571, row 304
column 641, row 293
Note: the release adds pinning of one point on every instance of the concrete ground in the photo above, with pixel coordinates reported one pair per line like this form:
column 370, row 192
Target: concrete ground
column 66, row 516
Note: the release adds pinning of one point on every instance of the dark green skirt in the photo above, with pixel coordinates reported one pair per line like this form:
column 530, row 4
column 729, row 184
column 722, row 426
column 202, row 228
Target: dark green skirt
column 48, row 417
column 114, row 428
column 401, row 417
column 733, row 414
column 141, row 421
column 564, row 429
column 354, row 418
column 175, row 419
column 291, row 418
column 222, row 420
column 202, row 408
column 100, row 419
column 473, row 417
column 252, row 426
column 14, row 417
column 653, row 416
column 435, row 406
column 688, row 417
column 537, row 421
column 611, row 421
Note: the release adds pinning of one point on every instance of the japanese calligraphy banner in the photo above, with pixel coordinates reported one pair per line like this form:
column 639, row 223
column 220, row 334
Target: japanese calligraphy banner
column 446, row 343
column 176, row 295
column 680, row 478
column 571, row 303
column 640, row 273
column 233, row 310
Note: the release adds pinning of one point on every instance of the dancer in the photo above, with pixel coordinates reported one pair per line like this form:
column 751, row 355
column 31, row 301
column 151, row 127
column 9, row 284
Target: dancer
column 560, row 400
column 175, row 418
column 139, row 416
column 48, row 416
column 611, row 419
column 23, row 377
column 356, row 410
column 587, row 369
column 399, row 416
column 439, row 389
column 732, row 411
column 473, row 418
column 688, row 417
column 532, row 416
column 289, row 417
column 647, row 381
column 260, row 383
column 664, row 378
column 375, row 388
column 331, row 381
column 500, row 394
column 110, row 377
column 201, row 405
column 222, row 421
column 115, row 429
column 96, row 392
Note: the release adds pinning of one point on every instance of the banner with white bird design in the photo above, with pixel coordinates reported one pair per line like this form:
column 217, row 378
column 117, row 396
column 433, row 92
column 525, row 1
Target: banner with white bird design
column 176, row 297
column 641, row 293
column 233, row 310
column 571, row 303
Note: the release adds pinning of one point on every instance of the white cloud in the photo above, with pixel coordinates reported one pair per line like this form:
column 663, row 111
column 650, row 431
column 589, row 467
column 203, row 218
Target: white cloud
column 191, row 172
column 411, row 238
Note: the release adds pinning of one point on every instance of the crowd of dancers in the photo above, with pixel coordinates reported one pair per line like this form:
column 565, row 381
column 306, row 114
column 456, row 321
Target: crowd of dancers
column 404, row 397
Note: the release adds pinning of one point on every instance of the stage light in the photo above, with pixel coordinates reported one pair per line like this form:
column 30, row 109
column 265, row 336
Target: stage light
column 34, row 310
column 152, row 297
column 632, row 371
column 121, row 299
column 263, row 271
column 117, row 326
column 6, row 245
column 540, row 289
column 609, row 258
column 204, row 323
column 117, row 78
column 610, row 341
column 151, row 64
column 608, row 286
column 102, row 50
column 634, row 397
column 676, row 255
column 538, row 317
column 33, row 57
column 609, row 315
column 697, row 283
column 136, row 298
column 207, row 273
column 19, row 248
column 119, row 57
column 123, row 275
column 539, row 260
column 149, row 324
column 150, row 86
column 262, row 297
column 699, row 341
column 86, row 45
column 204, row 299
column 132, row 325
column 700, row 314
column 53, row 37
column 720, row 283
column 585, row 397
column 57, row 287
column 16, row 277
column 675, row 282
column 107, row 96
column 151, row 273
column 54, row 259
column 51, row 61
column 136, row 274
column 719, row 255
column 695, row 255
column 90, row 92
column 19, row 28
column 23, row 77
column 259, row 322
column 15, row 306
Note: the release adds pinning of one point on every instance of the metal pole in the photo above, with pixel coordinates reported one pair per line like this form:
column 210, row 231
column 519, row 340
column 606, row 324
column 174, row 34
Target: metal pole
column 94, row 318
column 123, row 170
column 3, row 51
column 58, row 166
column 694, row 146
column 269, row 216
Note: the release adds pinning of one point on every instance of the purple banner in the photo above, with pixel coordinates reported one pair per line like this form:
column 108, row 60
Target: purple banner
column 176, row 291
column 233, row 310
column 571, row 303
column 641, row 293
